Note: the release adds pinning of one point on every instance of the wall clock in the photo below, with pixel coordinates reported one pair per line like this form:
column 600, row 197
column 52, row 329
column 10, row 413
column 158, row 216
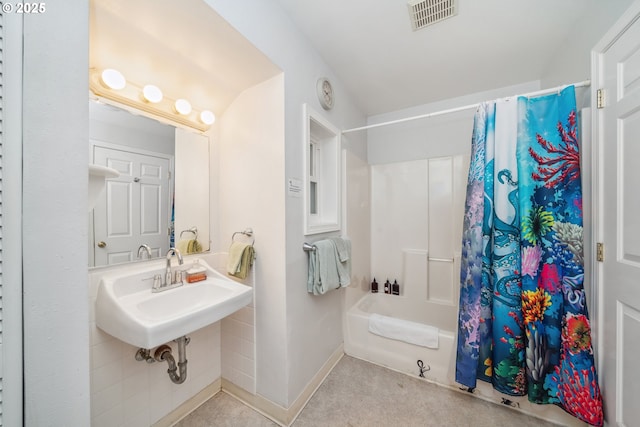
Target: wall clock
column 325, row 93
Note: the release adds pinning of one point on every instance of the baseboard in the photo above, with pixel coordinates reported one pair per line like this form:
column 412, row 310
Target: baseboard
column 273, row 411
column 277, row 413
column 190, row 405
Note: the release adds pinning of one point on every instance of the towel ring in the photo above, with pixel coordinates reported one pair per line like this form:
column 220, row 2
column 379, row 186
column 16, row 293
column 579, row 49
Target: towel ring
column 247, row 232
column 193, row 230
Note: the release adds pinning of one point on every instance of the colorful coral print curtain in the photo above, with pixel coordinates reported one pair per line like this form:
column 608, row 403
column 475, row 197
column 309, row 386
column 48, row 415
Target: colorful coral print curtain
column 523, row 324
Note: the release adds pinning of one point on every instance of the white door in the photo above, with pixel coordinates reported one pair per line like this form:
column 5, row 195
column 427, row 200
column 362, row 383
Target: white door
column 134, row 208
column 618, row 72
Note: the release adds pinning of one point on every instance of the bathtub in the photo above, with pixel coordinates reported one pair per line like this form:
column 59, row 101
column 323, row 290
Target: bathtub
column 398, row 355
column 403, row 357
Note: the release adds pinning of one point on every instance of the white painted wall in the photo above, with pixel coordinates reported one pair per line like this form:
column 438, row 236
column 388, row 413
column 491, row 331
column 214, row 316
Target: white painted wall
column 251, row 194
column 572, row 61
column 435, row 136
column 302, row 338
column 55, row 184
column 11, row 254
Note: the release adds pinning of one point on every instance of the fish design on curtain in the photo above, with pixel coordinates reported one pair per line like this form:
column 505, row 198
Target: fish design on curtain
column 523, row 324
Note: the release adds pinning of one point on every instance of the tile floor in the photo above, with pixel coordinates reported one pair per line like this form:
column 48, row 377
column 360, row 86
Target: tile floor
column 360, row 394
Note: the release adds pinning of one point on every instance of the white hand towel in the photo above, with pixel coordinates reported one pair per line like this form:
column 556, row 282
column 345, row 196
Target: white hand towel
column 404, row 330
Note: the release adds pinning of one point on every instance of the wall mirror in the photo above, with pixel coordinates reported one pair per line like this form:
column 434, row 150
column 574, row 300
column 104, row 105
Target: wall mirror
column 160, row 199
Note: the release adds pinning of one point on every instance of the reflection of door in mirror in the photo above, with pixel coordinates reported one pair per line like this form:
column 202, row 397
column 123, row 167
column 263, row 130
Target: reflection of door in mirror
column 135, row 207
column 164, row 185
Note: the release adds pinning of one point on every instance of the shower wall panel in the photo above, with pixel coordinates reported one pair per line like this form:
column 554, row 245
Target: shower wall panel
column 416, row 221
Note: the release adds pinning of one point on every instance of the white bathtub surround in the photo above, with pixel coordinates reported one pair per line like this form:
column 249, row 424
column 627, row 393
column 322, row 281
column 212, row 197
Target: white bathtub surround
column 404, row 330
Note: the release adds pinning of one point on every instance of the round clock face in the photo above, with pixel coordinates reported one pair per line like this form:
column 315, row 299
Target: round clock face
column 325, row 93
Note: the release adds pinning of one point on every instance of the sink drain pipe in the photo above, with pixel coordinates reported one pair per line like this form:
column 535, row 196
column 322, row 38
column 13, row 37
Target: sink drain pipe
column 163, row 353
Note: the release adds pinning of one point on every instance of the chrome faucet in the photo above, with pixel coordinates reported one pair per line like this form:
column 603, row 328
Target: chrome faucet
column 144, row 249
column 169, row 277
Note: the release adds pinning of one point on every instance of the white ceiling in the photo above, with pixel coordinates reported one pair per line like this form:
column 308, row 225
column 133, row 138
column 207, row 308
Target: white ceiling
column 185, row 48
column 386, row 66
column 190, row 51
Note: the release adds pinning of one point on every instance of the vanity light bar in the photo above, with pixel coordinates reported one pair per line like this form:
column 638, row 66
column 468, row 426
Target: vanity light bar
column 182, row 106
column 110, row 84
column 112, row 79
column 152, row 94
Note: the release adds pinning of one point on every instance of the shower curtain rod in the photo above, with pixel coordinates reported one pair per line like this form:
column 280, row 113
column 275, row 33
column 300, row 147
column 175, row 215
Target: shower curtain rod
column 583, row 83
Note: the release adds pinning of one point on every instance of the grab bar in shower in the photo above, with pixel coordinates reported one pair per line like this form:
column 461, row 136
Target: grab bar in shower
column 441, row 259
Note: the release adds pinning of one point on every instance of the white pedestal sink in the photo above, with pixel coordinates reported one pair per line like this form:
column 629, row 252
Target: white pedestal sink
column 128, row 310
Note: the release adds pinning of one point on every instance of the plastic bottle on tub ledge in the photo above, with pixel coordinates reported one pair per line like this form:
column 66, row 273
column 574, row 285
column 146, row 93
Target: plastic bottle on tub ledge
column 387, row 287
column 395, row 288
column 374, row 286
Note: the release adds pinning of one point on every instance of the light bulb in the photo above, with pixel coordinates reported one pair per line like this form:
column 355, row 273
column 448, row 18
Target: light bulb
column 207, row 117
column 152, row 93
column 113, row 79
column 182, row 106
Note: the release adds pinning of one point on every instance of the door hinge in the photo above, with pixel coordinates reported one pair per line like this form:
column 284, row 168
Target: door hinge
column 600, row 100
column 600, row 252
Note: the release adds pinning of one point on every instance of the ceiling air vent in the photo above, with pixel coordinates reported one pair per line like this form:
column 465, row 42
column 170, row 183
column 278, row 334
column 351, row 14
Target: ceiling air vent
column 427, row 12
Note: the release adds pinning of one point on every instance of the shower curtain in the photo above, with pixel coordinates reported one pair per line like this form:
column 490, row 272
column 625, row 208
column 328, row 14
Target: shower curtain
column 523, row 324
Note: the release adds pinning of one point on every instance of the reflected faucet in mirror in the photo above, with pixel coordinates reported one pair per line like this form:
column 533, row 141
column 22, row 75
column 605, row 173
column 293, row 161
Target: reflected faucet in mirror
column 144, row 249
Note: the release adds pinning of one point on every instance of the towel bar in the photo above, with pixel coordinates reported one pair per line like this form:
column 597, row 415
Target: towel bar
column 247, row 232
column 307, row 247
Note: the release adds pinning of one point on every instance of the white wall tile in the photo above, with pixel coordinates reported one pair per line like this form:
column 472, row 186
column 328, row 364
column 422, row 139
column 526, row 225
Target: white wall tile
column 106, row 376
column 97, row 335
column 114, row 417
column 159, row 406
column 105, row 353
column 136, row 385
column 136, row 408
column 126, row 392
column 137, row 419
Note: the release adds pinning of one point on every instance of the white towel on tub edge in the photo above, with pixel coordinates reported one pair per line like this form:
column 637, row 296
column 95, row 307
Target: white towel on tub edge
column 404, row 330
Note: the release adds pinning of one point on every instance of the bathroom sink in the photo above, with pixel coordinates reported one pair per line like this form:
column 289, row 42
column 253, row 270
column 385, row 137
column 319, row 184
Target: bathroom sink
column 127, row 309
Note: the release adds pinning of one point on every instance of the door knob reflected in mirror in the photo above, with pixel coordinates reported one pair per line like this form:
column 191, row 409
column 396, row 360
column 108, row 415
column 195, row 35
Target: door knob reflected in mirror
column 102, row 244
